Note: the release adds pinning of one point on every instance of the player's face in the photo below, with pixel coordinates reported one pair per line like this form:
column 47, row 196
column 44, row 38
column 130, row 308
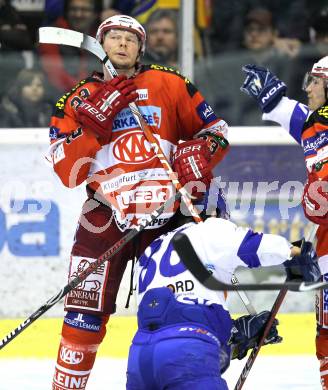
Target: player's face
column 316, row 93
column 122, row 48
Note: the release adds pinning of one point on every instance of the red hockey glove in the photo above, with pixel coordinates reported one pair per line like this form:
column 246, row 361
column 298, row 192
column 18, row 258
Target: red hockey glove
column 97, row 112
column 217, row 144
column 191, row 163
column 315, row 199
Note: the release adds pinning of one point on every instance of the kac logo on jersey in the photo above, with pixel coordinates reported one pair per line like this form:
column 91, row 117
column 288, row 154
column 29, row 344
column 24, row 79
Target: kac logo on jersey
column 133, row 148
column 71, row 357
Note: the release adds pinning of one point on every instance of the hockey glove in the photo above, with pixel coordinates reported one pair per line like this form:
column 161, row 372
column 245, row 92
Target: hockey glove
column 315, row 198
column 217, row 144
column 191, row 163
column 247, row 330
column 263, row 86
column 98, row 111
column 305, row 266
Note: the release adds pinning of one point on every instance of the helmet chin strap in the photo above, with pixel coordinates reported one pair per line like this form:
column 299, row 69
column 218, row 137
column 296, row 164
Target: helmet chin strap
column 120, row 70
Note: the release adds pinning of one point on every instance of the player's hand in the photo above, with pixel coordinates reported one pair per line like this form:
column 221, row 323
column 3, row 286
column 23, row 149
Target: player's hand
column 98, row 111
column 315, row 198
column 263, row 86
column 191, row 162
column 247, row 330
column 304, row 266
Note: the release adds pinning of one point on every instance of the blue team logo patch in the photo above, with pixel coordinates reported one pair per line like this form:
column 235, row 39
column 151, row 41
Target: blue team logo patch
column 124, row 120
column 53, row 132
column 205, row 112
column 83, row 321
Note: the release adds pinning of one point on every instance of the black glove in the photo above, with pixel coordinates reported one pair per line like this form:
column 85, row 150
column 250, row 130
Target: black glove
column 305, row 266
column 247, row 330
column 263, row 86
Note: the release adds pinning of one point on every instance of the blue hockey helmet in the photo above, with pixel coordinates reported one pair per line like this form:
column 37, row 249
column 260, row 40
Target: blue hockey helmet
column 213, row 203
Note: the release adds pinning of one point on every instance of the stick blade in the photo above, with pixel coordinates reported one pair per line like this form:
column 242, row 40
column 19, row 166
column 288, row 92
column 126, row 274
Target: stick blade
column 64, row 36
column 61, row 36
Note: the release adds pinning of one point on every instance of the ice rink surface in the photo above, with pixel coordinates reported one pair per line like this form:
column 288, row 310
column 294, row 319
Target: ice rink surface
column 269, row 373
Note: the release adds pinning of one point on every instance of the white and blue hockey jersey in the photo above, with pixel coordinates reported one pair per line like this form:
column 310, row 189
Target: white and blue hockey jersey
column 221, row 246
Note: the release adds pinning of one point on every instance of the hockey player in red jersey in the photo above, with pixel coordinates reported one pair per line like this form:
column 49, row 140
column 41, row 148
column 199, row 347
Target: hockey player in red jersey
column 95, row 138
column 309, row 126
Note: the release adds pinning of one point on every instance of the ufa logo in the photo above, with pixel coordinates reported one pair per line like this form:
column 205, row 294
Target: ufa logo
column 132, row 148
column 71, row 357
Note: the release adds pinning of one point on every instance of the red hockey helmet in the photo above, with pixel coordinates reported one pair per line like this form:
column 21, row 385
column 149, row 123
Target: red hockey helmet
column 319, row 70
column 123, row 22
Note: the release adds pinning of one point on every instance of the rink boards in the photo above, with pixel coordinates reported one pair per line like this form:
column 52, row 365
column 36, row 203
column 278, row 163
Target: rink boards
column 42, row 338
column 38, row 218
column 38, row 214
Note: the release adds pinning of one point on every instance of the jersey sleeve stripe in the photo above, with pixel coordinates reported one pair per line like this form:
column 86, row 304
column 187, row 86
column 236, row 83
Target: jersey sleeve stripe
column 247, row 251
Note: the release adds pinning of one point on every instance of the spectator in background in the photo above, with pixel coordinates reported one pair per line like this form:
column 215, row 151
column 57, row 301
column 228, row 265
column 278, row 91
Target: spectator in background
column 108, row 13
column 139, row 9
column 24, row 105
column 222, row 87
column 309, row 54
column 65, row 66
column 14, row 38
column 260, row 34
column 259, row 37
column 162, row 38
column 53, row 9
column 228, row 21
column 13, row 32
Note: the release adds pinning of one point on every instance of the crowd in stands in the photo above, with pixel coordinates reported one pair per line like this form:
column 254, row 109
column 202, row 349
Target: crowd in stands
column 288, row 37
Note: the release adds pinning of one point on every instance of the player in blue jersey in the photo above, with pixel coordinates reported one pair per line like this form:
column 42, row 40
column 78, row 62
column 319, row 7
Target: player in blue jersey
column 186, row 337
column 309, row 126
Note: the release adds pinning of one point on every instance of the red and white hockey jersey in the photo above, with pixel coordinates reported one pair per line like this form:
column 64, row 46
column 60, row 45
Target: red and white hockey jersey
column 125, row 171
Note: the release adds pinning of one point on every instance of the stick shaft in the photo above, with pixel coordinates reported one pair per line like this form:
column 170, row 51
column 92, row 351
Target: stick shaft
column 275, row 308
column 251, row 359
column 244, row 297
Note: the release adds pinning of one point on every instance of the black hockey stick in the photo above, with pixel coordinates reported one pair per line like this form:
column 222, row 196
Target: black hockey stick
column 191, row 260
column 91, row 268
column 251, row 359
